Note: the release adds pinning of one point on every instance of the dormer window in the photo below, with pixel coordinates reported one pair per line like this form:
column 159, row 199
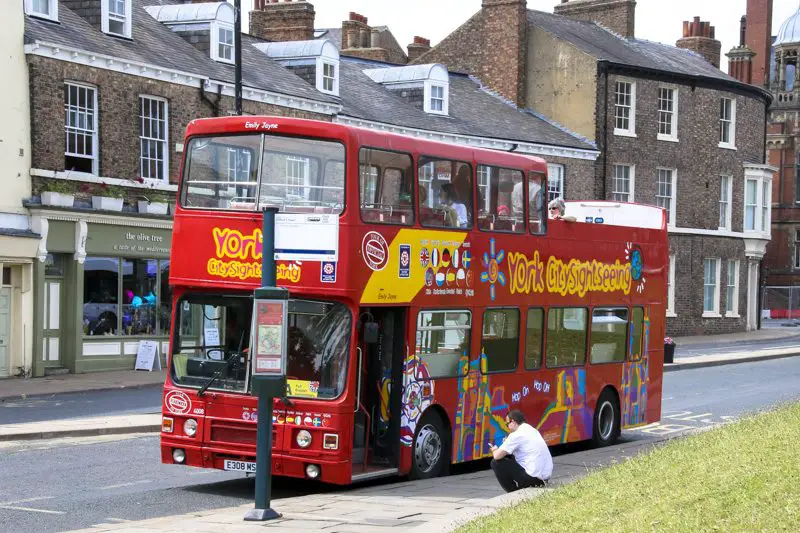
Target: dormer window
column 224, row 47
column 116, row 16
column 42, row 8
column 427, row 87
column 316, row 61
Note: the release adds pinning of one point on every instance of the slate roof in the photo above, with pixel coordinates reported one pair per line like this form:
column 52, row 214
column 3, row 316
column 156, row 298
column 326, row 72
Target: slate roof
column 154, row 43
column 604, row 45
column 473, row 110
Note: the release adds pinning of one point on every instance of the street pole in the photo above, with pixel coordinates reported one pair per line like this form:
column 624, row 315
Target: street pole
column 237, row 51
column 267, row 387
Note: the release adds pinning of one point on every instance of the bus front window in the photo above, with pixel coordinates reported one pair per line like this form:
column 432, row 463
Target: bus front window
column 318, row 342
column 213, row 339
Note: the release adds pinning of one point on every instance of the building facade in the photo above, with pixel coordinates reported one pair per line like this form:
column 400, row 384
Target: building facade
column 672, row 129
column 111, row 94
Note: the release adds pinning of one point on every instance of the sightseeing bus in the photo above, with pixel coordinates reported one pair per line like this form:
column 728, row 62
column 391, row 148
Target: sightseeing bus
column 429, row 295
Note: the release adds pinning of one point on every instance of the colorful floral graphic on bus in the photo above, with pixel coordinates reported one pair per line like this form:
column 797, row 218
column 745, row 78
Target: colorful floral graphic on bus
column 567, row 417
column 417, row 396
column 635, row 378
column 491, row 264
column 480, row 414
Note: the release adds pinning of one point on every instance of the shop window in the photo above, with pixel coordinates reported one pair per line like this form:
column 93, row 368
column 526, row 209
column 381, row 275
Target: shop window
column 500, row 199
column 139, row 300
column 54, row 266
column 164, row 299
column 443, row 342
column 6, row 276
column 386, row 185
column 566, row 336
column 609, row 333
column 445, row 193
column 100, row 296
column 500, row 339
column 533, row 338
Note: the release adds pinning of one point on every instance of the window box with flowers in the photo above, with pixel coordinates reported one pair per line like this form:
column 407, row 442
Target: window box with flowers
column 154, row 203
column 108, row 197
column 58, row 194
column 669, row 350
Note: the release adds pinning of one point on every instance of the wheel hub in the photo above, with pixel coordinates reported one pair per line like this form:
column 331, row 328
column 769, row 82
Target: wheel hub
column 427, row 448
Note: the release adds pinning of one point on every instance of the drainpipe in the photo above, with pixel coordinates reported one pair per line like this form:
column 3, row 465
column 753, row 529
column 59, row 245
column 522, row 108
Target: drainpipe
column 213, row 104
column 602, row 69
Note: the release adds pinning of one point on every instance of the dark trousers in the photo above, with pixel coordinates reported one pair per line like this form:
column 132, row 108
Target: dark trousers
column 512, row 476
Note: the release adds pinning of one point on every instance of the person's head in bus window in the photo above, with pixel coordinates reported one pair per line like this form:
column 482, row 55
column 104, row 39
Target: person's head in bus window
column 448, row 200
column 556, row 209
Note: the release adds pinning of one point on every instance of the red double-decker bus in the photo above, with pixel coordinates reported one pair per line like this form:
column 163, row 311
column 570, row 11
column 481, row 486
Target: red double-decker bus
column 429, row 294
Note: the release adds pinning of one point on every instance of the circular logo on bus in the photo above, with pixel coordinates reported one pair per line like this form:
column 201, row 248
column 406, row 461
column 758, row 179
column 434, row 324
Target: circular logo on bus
column 328, row 268
column 375, row 250
column 177, row 402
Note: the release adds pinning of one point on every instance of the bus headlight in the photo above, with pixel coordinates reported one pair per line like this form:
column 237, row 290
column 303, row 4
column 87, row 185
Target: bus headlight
column 190, row 427
column 303, row 438
column 179, row 456
column 312, row 471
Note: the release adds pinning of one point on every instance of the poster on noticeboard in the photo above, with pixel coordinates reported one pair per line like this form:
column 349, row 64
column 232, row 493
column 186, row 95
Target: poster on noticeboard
column 270, row 339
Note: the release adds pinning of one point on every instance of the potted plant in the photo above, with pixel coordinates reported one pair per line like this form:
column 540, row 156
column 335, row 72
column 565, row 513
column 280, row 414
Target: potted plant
column 58, row 193
column 108, row 197
column 155, row 203
column 669, row 350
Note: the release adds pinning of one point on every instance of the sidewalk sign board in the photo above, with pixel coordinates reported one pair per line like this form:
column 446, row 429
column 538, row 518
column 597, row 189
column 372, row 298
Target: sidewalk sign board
column 147, row 356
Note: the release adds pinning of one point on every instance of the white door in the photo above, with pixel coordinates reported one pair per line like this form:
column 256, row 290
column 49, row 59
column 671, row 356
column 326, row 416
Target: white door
column 5, row 329
column 51, row 351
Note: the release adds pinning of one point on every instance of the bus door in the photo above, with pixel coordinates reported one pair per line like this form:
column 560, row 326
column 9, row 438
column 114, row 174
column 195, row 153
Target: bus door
column 376, row 435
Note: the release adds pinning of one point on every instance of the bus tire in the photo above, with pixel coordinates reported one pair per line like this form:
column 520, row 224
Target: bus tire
column 607, row 419
column 430, row 449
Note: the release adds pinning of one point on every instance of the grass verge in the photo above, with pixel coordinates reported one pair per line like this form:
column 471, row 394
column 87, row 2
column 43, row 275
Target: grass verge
column 743, row 476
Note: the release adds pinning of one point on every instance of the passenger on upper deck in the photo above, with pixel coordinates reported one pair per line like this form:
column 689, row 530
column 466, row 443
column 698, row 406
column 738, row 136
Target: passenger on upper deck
column 534, row 200
column 557, row 209
column 455, row 211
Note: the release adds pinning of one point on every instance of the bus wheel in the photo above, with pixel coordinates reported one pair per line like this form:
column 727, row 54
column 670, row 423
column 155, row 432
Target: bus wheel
column 606, row 420
column 430, row 448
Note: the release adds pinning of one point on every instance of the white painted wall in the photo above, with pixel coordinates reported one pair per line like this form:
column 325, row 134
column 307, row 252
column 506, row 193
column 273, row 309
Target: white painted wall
column 15, row 127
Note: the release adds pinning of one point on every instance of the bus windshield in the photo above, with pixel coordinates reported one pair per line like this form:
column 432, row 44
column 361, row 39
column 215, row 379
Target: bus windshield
column 247, row 172
column 213, row 337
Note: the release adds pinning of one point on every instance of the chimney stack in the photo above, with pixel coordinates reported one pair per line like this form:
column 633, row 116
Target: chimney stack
column 759, row 38
column 356, row 32
column 698, row 36
column 615, row 15
column 282, row 21
column 417, row 48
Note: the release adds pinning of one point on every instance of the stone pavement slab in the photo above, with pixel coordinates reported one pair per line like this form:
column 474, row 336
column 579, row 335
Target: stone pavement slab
column 95, row 381
column 730, row 358
column 76, row 427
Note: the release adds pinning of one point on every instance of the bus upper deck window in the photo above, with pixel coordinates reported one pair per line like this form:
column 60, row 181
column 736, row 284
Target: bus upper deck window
column 536, row 198
column 445, row 193
column 386, row 186
column 500, row 199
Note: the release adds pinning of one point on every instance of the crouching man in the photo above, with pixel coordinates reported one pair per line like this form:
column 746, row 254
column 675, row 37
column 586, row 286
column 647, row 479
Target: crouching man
column 523, row 460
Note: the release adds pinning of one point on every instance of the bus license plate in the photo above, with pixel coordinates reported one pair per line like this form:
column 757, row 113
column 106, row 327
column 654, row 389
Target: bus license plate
column 240, row 466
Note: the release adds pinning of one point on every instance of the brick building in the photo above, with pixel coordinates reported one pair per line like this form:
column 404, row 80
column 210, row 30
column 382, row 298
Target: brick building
column 111, row 94
column 673, row 131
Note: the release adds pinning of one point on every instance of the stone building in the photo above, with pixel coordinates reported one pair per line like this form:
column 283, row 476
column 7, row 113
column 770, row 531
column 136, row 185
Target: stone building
column 673, row 131
column 110, row 96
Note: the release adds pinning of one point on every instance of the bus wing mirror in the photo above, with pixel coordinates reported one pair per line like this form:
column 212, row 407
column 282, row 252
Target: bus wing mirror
column 371, row 332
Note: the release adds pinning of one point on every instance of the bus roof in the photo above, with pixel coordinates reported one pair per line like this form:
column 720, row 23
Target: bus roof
column 617, row 214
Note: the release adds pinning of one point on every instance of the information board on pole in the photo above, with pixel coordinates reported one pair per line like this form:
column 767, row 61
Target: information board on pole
column 269, row 328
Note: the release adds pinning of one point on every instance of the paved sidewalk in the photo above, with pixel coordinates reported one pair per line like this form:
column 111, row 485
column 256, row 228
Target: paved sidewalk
column 15, row 388
column 730, row 358
column 427, row 506
column 78, row 427
column 747, row 336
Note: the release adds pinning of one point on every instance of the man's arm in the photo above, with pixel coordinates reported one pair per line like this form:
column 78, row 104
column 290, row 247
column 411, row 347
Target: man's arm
column 497, row 453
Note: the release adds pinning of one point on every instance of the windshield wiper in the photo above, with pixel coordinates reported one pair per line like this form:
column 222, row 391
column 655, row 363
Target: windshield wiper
column 216, row 375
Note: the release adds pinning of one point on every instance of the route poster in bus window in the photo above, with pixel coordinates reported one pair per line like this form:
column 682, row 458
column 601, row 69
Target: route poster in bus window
column 270, row 322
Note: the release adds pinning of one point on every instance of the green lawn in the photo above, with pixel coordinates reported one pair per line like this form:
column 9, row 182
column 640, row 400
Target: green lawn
column 744, row 476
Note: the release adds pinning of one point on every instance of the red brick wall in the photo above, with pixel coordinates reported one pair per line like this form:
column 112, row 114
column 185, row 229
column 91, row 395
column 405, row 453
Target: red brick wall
column 759, row 38
column 616, row 15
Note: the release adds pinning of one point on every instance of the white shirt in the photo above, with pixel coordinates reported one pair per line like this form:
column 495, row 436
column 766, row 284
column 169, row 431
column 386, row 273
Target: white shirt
column 516, row 197
column 530, row 451
column 461, row 211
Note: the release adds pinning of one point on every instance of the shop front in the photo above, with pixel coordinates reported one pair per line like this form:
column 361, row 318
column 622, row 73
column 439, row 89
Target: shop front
column 102, row 286
column 17, row 251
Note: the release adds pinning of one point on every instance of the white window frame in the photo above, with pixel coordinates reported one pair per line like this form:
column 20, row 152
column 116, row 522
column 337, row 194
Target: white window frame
column 673, row 203
column 671, row 288
column 78, row 131
column 714, row 313
column 485, row 185
column 615, row 194
column 163, row 125
column 52, row 8
column 673, row 135
column 215, row 42
column 429, row 97
column 106, row 17
column 555, row 181
column 322, row 78
column 766, row 207
column 304, row 164
column 731, row 143
column 726, row 201
column 630, row 131
column 732, row 290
